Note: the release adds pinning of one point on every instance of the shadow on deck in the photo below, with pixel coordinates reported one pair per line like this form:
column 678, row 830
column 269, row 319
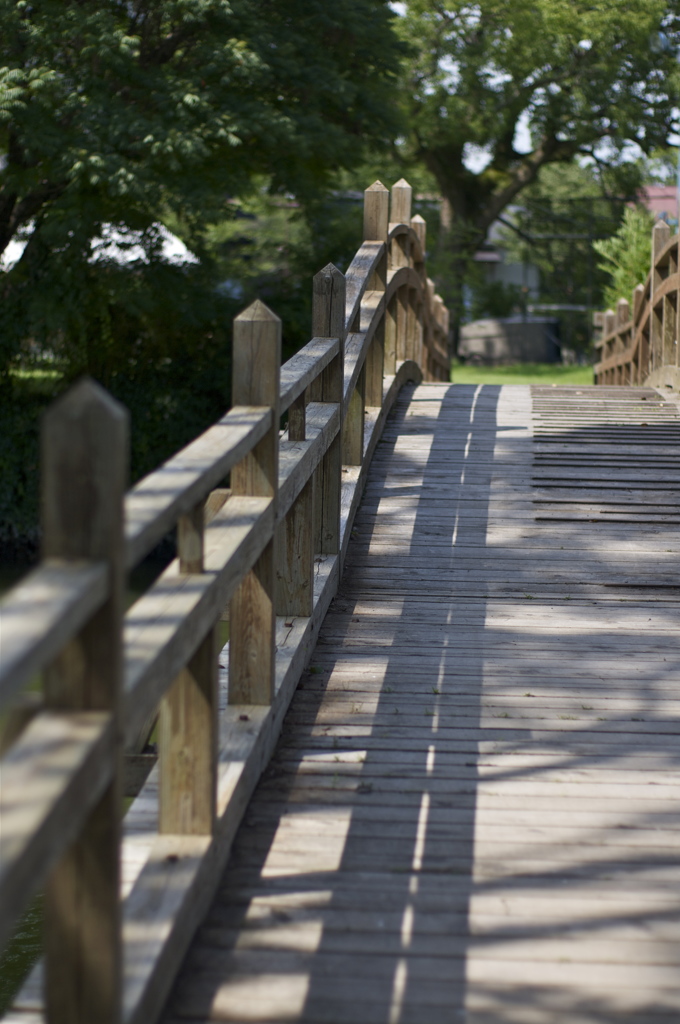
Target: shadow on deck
column 472, row 811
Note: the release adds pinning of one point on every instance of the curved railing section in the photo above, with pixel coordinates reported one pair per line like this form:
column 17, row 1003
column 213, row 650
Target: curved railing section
column 641, row 346
column 266, row 552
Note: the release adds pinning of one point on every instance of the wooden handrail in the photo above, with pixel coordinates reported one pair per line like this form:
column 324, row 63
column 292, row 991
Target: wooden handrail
column 154, row 505
column 43, row 612
column 640, row 345
column 270, row 549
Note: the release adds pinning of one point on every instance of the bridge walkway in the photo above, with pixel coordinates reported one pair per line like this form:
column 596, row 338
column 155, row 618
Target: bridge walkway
column 472, row 815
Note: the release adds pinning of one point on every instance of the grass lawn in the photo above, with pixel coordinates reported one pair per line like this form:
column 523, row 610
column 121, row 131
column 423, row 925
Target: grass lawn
column 523, row 373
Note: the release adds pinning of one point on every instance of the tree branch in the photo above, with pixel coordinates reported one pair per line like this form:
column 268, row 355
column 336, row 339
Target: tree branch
column 24, row 210
column 551, row 150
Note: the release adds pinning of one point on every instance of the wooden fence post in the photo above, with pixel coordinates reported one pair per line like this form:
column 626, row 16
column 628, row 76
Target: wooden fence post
column 328, row 321
column 419, row 226
column 400, row 253
column 187, row 726
column 608, row 348
column 376, row 228
column 295, row 557
column 660, row 236
column 622, row 318
column 353, row 432
column 84, row 475
column 294, row 585
column 256, row 376
column 642, row 357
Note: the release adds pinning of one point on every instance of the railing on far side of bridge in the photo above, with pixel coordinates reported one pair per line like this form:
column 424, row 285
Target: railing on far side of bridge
column 639, row 344
column 123, row 900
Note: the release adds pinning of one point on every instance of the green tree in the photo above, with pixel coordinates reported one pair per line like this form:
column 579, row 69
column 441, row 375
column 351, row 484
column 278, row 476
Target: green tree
column 524, row 84
column 553, row 227
column 627, row 255
column 134, row 112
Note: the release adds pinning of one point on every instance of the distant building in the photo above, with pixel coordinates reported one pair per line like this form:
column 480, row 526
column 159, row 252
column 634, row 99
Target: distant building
column 662, row 202
column 500, row 271
column 515, row 339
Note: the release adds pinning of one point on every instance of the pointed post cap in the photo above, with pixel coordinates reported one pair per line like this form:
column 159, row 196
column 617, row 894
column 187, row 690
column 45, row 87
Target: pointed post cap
column 256, row 357
column 401, row 202
column 638, row 299
column 257, row 310
column 84, row 463
column 328, row 303
column 376, row 212
column 622, row 311
column 83, row 396
column 420, row 227
column 660, row 235
column 329, row 272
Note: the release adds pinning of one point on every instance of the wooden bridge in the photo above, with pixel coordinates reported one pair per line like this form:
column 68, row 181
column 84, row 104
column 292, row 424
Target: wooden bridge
column 459, row 732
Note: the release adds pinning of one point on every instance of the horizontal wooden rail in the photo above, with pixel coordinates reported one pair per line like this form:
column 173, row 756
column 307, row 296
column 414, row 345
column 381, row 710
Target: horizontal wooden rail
column 46, row 610
column 359, row 273
column 304, row 367
column 165, row 627
column 639, row 344
column 51, row 780
column 154, row 505
column 267, row 552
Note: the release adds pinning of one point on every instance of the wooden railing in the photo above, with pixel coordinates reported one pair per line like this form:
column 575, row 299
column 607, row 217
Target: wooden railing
column 642, row 346
column 123, row 899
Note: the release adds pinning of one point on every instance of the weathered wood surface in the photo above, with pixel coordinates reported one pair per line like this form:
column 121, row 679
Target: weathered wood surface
column 153, row 506
column 46, row 609
column 472, row 813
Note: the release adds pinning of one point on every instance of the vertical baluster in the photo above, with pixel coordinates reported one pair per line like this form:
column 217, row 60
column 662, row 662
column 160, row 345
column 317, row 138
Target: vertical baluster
column 187, row 724
column 609, row 347
column 353, row 426
column 673, row 300
column 328, row 321
column 641, row 356
column 660, row 236
column 376, row 227
column 420, row 353
column 84, row 474
column 400, row 213
column 390, row 344
column 256, row 378
column 669, row 328
column 622, row 318
column 295, row 536
column 297, row 419
column 295, row 557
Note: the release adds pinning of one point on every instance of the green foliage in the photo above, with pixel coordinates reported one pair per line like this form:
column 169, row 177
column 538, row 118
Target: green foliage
column 140, row 113
column 495, row 299
column 516, row 86
column 272, row 248
column 522, row 373
column 20, row 413
column 578, row 73
column 626, row 256
column 135, row 113
column 553, row 227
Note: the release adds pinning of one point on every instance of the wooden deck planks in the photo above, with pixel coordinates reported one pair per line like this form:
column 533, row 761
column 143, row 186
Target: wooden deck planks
column 472, row 813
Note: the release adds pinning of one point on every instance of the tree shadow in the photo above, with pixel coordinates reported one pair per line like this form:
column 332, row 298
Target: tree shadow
column 424, row 846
